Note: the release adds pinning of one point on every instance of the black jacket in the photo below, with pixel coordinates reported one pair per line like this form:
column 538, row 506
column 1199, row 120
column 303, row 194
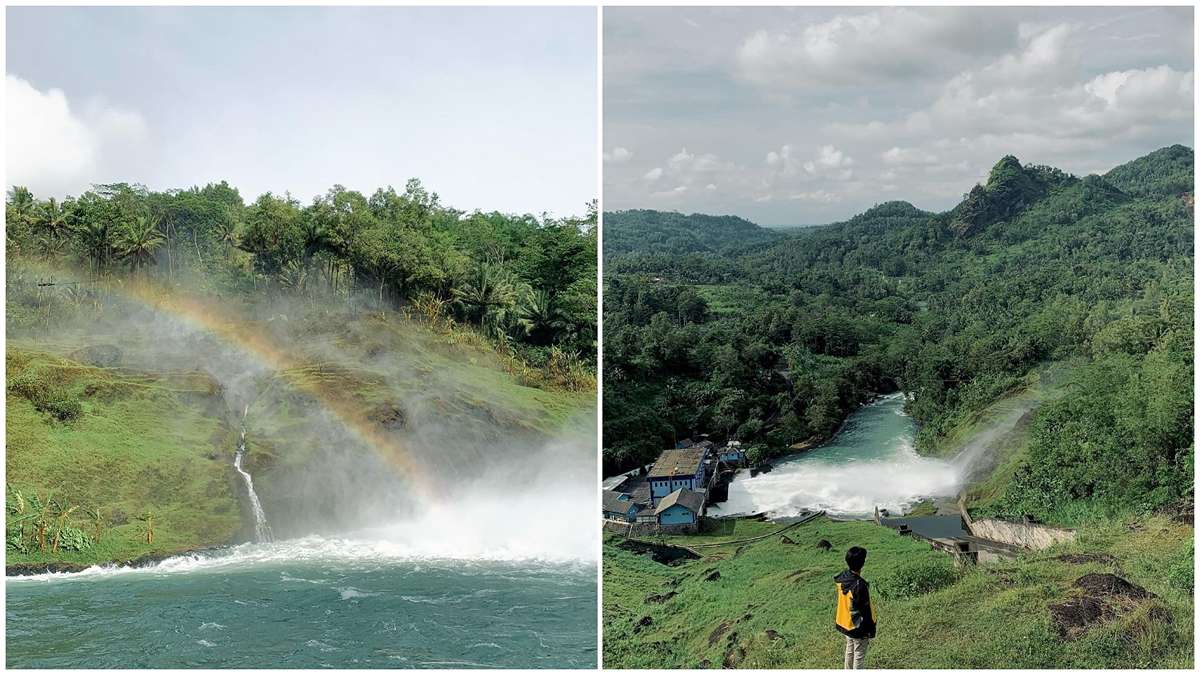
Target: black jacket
column 855, row 613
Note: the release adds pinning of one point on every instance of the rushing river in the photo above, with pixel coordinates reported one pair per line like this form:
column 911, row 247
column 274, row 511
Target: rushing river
column 308, row 603
column 870, row 462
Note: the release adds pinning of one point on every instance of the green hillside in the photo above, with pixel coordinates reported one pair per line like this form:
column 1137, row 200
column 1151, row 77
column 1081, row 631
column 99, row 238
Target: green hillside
column 647, row 232
column 772, row 603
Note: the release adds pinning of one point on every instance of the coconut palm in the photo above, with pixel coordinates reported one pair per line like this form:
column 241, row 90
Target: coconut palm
column 97, row 239
column 487, row 297
column 540, row 317
column 19, row 215
column 137, row 242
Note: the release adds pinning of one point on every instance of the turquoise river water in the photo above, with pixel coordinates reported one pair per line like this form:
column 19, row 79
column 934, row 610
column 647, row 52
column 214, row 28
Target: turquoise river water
column 870, row 462
column 308, row 603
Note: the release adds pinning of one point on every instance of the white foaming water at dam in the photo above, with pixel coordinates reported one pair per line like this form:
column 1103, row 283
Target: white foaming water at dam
column 870, row 462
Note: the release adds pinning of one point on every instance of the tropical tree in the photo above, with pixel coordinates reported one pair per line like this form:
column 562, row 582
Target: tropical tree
column 137, row 242
column 487, row 297
column 97, row 241
column 540, row 318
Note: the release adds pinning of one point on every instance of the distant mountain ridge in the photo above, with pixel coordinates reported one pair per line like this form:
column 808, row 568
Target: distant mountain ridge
column 1010, row 190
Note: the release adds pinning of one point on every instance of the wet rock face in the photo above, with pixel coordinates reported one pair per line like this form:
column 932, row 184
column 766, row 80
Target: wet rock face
column 389, row 416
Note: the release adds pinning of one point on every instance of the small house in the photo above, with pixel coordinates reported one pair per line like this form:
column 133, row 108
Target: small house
column 732, row 453
column 679, row 468
column 681, row 507
column 619, row 506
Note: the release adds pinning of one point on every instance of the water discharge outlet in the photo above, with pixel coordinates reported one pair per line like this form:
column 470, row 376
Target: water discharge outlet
column 262, row 530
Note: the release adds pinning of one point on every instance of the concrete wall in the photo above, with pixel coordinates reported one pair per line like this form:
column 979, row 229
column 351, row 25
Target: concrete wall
column 1026, row 535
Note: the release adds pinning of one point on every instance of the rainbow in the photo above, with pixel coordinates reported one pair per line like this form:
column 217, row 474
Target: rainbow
column 218, row 321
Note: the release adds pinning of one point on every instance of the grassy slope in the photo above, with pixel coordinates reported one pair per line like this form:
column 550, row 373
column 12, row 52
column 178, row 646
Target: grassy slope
column 142, row 443
column 145, row 441
column 994, row 616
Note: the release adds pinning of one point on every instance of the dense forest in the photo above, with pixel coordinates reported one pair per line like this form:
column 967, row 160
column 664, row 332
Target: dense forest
column 528, row 283
column 774, row 339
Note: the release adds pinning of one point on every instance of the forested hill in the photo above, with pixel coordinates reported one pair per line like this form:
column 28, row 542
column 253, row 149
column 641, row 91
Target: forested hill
column 776, row 343
column 644, row 231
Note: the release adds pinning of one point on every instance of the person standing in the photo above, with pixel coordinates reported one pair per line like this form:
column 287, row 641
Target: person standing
column 855, row 614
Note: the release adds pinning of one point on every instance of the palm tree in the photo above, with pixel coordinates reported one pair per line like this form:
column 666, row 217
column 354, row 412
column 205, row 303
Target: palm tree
column 137, row 241
column 51, row 229
column 487, row 297
column 19, row 215
column 538, row 314
column 96, row 238
column 227, row 227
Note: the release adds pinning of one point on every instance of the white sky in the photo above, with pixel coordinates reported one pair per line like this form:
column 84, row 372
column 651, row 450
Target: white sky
column 791, row 116
column 493, row 108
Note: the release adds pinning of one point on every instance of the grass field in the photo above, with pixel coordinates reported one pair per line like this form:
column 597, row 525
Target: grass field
column 772, row 605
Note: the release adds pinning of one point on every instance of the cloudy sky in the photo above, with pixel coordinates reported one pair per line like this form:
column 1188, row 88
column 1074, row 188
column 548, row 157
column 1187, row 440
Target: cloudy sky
column 493, row 108
column 792, row 116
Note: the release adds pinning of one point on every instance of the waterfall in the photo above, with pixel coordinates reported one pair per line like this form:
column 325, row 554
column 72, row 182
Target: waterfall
column 262, row 530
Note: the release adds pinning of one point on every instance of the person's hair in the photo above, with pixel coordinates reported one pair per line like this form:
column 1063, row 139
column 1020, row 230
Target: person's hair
column 855, row 558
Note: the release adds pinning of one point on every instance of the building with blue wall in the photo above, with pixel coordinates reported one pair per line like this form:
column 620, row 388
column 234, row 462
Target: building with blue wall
column 681, row 507
column 676, row 469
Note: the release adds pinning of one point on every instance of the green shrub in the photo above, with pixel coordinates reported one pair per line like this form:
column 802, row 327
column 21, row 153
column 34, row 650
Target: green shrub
column 30, row 385
column 45, row 396
column 913, row 579
column 63, row 408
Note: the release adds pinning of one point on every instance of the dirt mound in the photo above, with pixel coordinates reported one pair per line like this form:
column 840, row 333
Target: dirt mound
column 1111, row 586
column 660, row 599
column 784, row 539
column 824, row 545
column 1073, row 617
column 734, row 653
column 1105, row 597
column 712, row 575
column 659, row 553
column 644, row 622
column 773, row 634
column 718, row 632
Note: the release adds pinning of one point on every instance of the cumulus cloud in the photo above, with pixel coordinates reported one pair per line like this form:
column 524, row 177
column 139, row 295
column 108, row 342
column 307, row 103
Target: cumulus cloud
column 885, row 44
column 618, row 155
column 911, row 103
column 653, row 174
column 54, row 148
